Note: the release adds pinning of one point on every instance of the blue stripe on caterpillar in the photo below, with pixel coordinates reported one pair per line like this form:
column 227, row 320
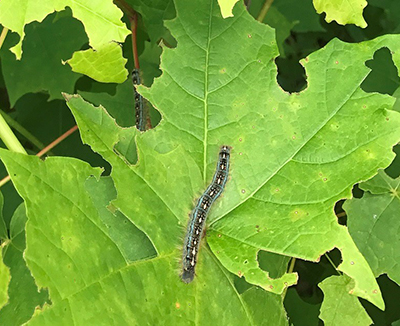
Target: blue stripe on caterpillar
column 199, row 215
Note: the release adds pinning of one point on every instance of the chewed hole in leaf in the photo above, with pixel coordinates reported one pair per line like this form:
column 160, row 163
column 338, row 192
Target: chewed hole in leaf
column 274, row 264
column 392, row 170
column 310, row 274
column 291, row 75
column 383, row 77
column 240, row 284
column 340, row 213
column 357, row 192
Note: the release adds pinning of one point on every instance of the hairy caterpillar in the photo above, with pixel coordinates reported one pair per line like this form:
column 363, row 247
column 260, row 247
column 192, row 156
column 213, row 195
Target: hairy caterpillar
column 139, row 107
column 199, row 215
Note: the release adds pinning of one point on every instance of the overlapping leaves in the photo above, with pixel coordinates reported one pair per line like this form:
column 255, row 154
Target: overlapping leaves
column 22, row 293
column 290, row 164
column 373, row 223
column 102, row 23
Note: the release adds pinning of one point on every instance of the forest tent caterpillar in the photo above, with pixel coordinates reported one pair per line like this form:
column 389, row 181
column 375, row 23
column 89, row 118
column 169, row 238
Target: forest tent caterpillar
column 199, row 215
column 139, row 106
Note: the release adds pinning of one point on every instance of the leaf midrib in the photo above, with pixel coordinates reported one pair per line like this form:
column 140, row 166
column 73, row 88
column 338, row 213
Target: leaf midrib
column 206, row 93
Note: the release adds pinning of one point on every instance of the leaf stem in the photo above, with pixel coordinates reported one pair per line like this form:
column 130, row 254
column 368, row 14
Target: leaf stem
column 15, row 125
column 341, row 214
column 333, row 265
column 290, row 270
column 264, row 10
column 292, row 263
column 46, row 149
column 3, row 36
column 8, row 137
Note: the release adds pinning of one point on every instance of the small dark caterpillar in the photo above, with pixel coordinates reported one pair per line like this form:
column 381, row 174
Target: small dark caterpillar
column 139, row 107
column 199, row 215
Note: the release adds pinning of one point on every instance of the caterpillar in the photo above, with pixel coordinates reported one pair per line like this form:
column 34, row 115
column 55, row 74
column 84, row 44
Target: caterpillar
column 199, row 215
column 139, row 107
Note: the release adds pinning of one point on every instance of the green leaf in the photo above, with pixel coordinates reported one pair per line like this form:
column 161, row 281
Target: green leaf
column 394, row 168
column 105, row 64
column 102, row 21
column 384, row 76
column 154, row 13
column 234, row 100
column 343, row 12
column 83, row 264
column 299, row 14
column 276, row 265
column 337, row 299
column 226, row 7
column 45, row 47
column 34, row 111
column 4, row 281
column 149, row 63
column 392, row 11
column 144, row 205
column 301, row 313
column 121, row 106
column 120, row 229
column 245, row 263
column 391, row 295
column 11, row 199
column 102, row 25
column 3, row 228
column 373, row 223
column 290, row 143
column 56, row 251
column 23, row 292
column 291, row 222
column 277, row 20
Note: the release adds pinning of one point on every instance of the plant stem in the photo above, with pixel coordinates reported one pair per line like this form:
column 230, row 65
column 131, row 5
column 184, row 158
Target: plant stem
column 46, row 149
column 57, row 141
column 126, row 8
column 3, row 36
column 292, row 263
column 341, row 214
column 8, row 137
column 132, row 16
column 264, row 10
column 134, row 41
column 4, row 181
column 15, row 125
